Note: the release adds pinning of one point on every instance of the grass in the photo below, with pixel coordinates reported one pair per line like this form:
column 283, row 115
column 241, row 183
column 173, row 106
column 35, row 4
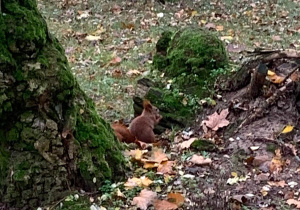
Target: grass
column 131, row 29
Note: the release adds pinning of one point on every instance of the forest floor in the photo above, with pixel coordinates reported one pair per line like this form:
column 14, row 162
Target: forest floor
column 109, row 45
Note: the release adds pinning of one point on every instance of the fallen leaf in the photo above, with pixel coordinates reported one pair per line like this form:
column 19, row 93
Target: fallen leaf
column 292, row 147
column 120, row 194
column 144, row 199
column 219, row 28
column 115, row 60
column 276, row 38
column 176, row 198
column 274, row 78
column 288, row 129
column 277, row 163
column 277, row 184
column 216, row 121
column 293, row 202
column 166, row 167
column 226, row 38
column 133, row 72
column 240, row 198
column 164, row 205
column 200, row 160
column 179, row 14
column 210, row 25
column 137, row 182
column 187, row 144
column 92, row 38
column 157, row 156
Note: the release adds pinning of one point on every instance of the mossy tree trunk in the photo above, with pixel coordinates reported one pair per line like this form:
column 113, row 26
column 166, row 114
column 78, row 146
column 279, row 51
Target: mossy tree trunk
column 51, row 138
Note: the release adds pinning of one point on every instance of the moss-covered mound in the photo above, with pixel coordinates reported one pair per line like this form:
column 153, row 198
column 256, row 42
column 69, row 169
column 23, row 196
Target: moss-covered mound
column 191, row 58
column 51, row 138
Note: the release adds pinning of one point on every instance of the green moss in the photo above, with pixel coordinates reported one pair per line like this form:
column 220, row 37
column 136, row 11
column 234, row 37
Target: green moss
column 203, row 145
column 12, row 135
column 19, row 175
column 271, row 147
column 24, row 24
column 7, row 107
column 4, row 160
column 19, row 75
column 188, row 57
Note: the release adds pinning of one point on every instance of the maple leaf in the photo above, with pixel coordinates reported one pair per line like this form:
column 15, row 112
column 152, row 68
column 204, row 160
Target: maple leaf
column 164, row 205
column 294, row 202
column 200, row 160
column 144, row 199
column 166, row 167
column 134, row 182
column 176, row 198
column 216, row 121
column 157, row 156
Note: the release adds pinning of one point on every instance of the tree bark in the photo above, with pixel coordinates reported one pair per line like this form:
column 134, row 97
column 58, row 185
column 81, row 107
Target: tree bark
column 51, row 138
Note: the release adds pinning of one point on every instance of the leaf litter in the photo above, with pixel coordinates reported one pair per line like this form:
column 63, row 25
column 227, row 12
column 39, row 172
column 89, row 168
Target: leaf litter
column 102, row 44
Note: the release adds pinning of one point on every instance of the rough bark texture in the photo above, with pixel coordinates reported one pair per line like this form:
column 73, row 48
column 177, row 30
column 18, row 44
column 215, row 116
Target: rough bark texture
column 51, row 138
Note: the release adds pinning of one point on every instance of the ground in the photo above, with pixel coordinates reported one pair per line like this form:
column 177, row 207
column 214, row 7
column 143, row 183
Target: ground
column 110, row 44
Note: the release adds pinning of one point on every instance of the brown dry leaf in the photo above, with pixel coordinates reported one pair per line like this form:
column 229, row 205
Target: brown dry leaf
column 133, row 73
column 128, row 25
column 276, row 38
column 179, row 14
column 137, row 182
column 219, row 28
column 144, row 199
column 295, row 76
column 116, row 60
column 176, row 198
column 166, row 167
column 210, row 25
column 164, row 205
column 277, row 184
column 187, row 144
column 157, row 156
column 151, row 165
column 136, row 154
column 277, row 163
column 116, row 73
column 216, row 121
column 200, row 160
column 292, row 147
column 293, row 202
column 259, row 160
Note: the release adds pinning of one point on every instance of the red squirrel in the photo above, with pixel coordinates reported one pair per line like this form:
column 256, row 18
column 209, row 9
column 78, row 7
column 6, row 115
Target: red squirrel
column 141, row 128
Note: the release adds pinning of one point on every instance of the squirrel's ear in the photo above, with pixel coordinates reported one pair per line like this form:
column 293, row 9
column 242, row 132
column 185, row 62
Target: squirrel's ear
column 147, row 105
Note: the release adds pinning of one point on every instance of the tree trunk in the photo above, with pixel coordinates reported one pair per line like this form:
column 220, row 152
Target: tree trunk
column 51, row 138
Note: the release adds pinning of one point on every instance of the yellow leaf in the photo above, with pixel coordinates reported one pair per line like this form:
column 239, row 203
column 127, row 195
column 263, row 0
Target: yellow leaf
column 194, row 13
column 288, row 129
column 234, row 174
column 271, row 73
column 203, row 21
column 226, row 38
